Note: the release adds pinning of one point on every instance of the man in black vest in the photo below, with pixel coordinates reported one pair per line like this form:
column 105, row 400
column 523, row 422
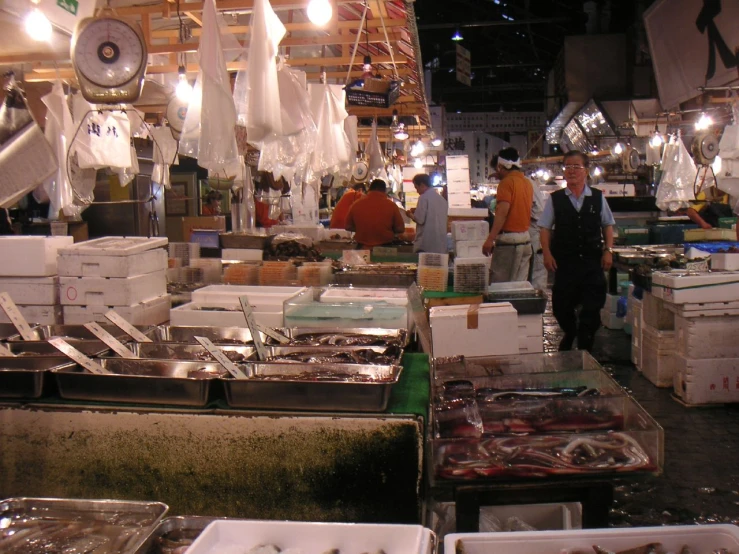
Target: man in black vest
column 577, row 239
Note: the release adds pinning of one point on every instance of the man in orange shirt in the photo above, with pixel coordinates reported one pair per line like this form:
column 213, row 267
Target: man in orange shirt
column 509, row 237
column 338, row 218
column 375, row 219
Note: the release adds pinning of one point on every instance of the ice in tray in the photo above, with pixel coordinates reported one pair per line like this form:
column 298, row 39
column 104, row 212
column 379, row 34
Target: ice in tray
column 241, row 536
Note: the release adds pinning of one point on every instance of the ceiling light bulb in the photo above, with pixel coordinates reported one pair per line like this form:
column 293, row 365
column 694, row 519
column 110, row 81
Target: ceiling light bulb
column 401, row 134
column 418, row 164
column 618, row 149
column 436, row 142
column 457, row 36
column 597, row 172
column 704, row 122
column 319, row 12
column 183, row 91
column 657, row 140
column 545, row 176
column 420, row 147
column 38, row 26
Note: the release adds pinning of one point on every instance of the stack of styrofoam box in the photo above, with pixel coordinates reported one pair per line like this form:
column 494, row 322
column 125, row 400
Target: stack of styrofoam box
column 608, row 313
column 29, row 276
column 706, row 359
column 468, row 238
column 530, row 333
column 474, row 330
column 267, row 303
column 637, row 324
column 127, row 274
column 657, row 341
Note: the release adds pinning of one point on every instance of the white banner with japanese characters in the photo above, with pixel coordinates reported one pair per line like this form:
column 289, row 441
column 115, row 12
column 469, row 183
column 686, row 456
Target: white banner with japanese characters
column 104, row 140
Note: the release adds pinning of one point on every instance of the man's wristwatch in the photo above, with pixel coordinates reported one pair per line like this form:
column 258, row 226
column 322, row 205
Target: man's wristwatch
column 609, row 250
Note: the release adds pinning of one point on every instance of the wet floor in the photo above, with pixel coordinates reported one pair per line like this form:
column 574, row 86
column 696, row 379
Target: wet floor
column 700, row 483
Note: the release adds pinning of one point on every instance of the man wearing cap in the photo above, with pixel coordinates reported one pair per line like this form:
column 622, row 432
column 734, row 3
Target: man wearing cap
column 577, row 239
column 509, row 242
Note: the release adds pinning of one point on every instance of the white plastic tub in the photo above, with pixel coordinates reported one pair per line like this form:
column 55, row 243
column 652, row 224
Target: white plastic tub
column 239, row 536
column 699, row 538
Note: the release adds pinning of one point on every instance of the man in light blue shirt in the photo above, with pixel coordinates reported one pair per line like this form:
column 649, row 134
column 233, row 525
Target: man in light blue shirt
column 430, row 216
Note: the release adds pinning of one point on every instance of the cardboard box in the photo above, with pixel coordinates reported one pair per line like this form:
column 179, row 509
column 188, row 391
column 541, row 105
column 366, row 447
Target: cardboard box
column 706, row 381
column 474, row 330
column 217, row 222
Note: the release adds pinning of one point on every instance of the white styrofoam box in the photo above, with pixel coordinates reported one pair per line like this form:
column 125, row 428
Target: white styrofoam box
column 115, row 246
column 242, row 254
column 237, row 536
column 704, row 309
column 452, row 331
column 41, row 315
column 542, row 517
column 698, row 538
column 531, row 325
column 151, row 312
column 511, row 286
column 728, row 261
column 654, row 312
column 198, row 315
column 636, row 357
column 530, row 345
column 683, row 287
column 482, row 213
column 36, row 291
column 707, row 337
column 706, row 381
column 350, row 294
column 468, row 248
column 264, row 298
column 100, row 291
column 72, row 264
column 470, row 230
column 31, row 256
column 610, row 320
column 658, row 356
column 611, row 304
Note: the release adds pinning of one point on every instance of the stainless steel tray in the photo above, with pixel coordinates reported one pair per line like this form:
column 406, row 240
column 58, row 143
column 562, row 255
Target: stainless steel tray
column 174, row 532
column 184, row 334
column 8, row 330
column 393, row 351
column 74, row 332
column 33, row 525
column 24, row 377
column 184, row 351
column 392, row 336
column 91, row 348
column 167, row 382
column 296, row 393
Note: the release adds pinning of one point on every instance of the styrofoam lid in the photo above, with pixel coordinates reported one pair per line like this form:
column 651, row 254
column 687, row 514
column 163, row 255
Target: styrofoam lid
column 115, row 246
column 510, row 286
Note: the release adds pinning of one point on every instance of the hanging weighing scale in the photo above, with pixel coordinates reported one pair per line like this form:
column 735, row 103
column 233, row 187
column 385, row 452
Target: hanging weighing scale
column 109, row 57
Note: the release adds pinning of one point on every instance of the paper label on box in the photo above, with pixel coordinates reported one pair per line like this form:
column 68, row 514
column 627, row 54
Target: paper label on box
column 473, row 316
column 15, row 317
column 221, row 358
column 110, row 340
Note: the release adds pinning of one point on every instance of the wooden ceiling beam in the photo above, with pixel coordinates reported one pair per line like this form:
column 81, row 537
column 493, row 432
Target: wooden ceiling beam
column 223, row 5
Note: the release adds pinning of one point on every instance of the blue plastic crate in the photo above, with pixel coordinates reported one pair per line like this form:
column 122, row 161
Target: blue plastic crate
column 711, row 247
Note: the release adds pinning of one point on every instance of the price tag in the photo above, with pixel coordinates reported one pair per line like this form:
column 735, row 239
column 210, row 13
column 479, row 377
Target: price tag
column 110, row 340
column 5, row 351
column 71, row 352
column 15, row 317
column 274, row 334
column 251, row 322
column 221, row 358
column 117, row 320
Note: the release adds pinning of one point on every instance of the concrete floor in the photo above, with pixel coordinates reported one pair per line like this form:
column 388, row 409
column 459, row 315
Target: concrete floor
column 700, row 483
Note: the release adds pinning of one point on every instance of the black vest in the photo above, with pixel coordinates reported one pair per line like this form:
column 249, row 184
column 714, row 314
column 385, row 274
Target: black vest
column 577, row 235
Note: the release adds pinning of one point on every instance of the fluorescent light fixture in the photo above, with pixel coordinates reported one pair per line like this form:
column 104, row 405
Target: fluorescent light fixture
column 319, row 12
column 38, row 26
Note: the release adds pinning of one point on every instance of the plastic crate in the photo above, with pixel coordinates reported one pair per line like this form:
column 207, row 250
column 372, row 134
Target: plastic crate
column 359, row 93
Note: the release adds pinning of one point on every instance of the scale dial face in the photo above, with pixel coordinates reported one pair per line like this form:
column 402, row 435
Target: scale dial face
column 109, row 57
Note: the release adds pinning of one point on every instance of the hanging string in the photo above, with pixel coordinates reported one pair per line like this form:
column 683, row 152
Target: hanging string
column 356, row 43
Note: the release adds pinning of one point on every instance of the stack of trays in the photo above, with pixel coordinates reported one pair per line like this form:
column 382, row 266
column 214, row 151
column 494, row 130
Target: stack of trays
column 127, row 274
column 315, row 274
column 241, row 274
column 277, row 273
column 433, row 271
column 30, row 276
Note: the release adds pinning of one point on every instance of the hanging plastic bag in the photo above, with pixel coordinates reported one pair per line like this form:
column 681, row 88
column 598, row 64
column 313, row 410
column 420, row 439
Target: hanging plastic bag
column 104, row 140
column 26, row 157
column 333, row 150
column 59, row 128
column 374, row 153
column 675, row 190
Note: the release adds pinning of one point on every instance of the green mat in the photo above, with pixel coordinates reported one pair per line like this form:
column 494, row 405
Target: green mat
column 411, row 394
column 448, row 294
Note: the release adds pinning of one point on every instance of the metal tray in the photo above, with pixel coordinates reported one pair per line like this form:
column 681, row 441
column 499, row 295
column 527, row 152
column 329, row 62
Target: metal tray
column 185, row 334
column 182, row 351
column 393, row 336
column 166, row 382
column 74, row 332
column 317, row 351
column 179, row 531
column 24, row 377
column 90, row 348
column 238, row 240
column 297, row 394
column 8, row 330
column 61, row 525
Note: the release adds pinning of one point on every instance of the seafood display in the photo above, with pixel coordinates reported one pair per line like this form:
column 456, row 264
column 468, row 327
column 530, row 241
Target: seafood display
column 175, row 351
column 49, row 526
column 541, row 455
column 388, row 356
column 325, row 375
column 343, row 337
column 650, row 548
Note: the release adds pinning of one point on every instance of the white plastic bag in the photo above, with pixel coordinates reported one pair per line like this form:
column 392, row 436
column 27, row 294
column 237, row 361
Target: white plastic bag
column 104, row 140
column 58, row 131
column 675, row 190
column 374, row 153
column 333, row 150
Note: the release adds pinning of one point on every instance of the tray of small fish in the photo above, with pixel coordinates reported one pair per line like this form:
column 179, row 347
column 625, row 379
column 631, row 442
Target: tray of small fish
column 237, row 353
column 297, row 537
column 185, row 334
column 24, row 378
column 332, row 336
column 315, row 378
column 160, row 382
column 378, row 275
column 50, row 525
column 174, row 535
column 675, row 539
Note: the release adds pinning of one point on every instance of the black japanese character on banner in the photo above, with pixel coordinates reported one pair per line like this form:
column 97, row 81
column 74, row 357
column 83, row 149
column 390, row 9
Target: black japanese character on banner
column 113, row 131
column 93, row 129
column 706, row 25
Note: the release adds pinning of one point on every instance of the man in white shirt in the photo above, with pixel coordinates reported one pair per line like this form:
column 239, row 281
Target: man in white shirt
column 430, row 216
column 539, row 274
